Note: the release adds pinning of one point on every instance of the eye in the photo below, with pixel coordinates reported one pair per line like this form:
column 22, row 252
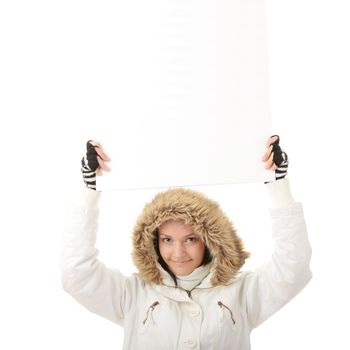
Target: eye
column 192, row 239
column 166, row 240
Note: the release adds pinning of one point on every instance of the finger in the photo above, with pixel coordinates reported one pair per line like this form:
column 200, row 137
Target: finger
column 100, row 151
column 267, row 154
column 271, row 140
column 103, row 166
column 103, row 155
column 95, row 143
column 98, row 172
column 274, row 167
column 269, row 163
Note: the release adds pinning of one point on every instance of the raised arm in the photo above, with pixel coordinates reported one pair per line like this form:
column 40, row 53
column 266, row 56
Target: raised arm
column 84, row 277
column 287, row 272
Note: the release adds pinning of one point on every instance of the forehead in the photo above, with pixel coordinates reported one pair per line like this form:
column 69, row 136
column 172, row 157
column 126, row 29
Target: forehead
column 175, row 229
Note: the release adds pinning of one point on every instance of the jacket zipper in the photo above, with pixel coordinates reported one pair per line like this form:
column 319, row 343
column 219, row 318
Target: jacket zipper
column 189, row 292
column 151, row 308
column 222, row 305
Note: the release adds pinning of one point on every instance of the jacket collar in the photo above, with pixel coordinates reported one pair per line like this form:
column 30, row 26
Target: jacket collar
column 168, row 281
column 170, row 291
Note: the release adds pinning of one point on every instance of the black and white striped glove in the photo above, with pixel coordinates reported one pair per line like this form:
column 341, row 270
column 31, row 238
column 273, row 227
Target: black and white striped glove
column 280, row 158
column 89, row 165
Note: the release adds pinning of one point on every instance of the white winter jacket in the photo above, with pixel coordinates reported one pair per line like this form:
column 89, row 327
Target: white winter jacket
column 218, row 314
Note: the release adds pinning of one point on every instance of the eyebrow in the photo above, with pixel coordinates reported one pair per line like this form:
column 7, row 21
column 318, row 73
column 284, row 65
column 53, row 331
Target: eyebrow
column 163, row 234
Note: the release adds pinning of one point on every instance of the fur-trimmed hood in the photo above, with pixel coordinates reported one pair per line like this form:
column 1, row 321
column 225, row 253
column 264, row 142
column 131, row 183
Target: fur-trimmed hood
column 208, row 221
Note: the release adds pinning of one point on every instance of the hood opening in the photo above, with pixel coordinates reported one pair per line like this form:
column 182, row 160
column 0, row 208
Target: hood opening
column 208, row 221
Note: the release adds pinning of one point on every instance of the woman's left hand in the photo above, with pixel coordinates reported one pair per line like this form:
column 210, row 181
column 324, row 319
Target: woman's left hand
column 274, row 158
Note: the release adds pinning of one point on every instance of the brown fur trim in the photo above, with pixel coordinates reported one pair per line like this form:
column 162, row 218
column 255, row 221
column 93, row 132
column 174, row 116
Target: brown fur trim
column 208, row 221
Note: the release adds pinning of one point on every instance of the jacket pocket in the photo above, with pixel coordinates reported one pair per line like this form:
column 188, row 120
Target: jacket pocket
column 226, row 311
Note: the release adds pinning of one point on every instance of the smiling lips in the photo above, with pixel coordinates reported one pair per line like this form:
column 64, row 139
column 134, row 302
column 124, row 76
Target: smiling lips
column 181, row 262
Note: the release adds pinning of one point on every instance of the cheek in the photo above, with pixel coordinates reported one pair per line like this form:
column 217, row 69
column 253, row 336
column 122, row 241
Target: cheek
column 164, row 252
column 198, row 251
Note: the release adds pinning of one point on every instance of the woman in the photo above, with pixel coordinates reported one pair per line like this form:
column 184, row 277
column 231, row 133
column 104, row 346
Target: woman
column 189, row 292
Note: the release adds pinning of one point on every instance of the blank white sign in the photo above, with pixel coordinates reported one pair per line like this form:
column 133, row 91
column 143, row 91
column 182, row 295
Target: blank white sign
column 192, row 103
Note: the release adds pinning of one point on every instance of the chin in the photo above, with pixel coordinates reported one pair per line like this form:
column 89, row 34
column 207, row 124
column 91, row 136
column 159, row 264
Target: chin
column 182, row 272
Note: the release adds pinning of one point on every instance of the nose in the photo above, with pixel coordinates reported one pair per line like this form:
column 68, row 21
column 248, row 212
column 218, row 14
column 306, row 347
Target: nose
column 179, row 251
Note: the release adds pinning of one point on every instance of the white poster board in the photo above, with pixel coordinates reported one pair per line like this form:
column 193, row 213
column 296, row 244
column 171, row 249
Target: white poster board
column 193, row 96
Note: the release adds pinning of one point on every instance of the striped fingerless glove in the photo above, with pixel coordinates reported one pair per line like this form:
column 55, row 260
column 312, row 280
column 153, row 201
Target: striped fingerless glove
column 280, row 158
column 89, row 165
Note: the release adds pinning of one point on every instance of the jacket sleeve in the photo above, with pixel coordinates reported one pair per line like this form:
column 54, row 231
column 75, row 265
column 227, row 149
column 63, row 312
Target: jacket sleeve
column 98, row 288
column 287, row 272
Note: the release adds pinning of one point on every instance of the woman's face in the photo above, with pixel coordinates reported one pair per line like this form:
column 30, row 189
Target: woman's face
column 181, row 250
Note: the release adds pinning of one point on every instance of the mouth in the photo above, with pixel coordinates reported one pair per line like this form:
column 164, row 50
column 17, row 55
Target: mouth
column 181, row 262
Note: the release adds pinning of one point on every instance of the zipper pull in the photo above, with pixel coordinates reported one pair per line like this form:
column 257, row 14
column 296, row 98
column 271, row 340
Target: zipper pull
column 150, row 308
column 222, row 305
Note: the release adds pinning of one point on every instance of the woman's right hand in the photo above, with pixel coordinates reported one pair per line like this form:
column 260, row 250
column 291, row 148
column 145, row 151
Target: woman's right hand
column 93, row 163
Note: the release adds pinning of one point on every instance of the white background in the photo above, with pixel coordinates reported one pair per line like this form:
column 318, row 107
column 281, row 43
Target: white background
column 53, row 85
